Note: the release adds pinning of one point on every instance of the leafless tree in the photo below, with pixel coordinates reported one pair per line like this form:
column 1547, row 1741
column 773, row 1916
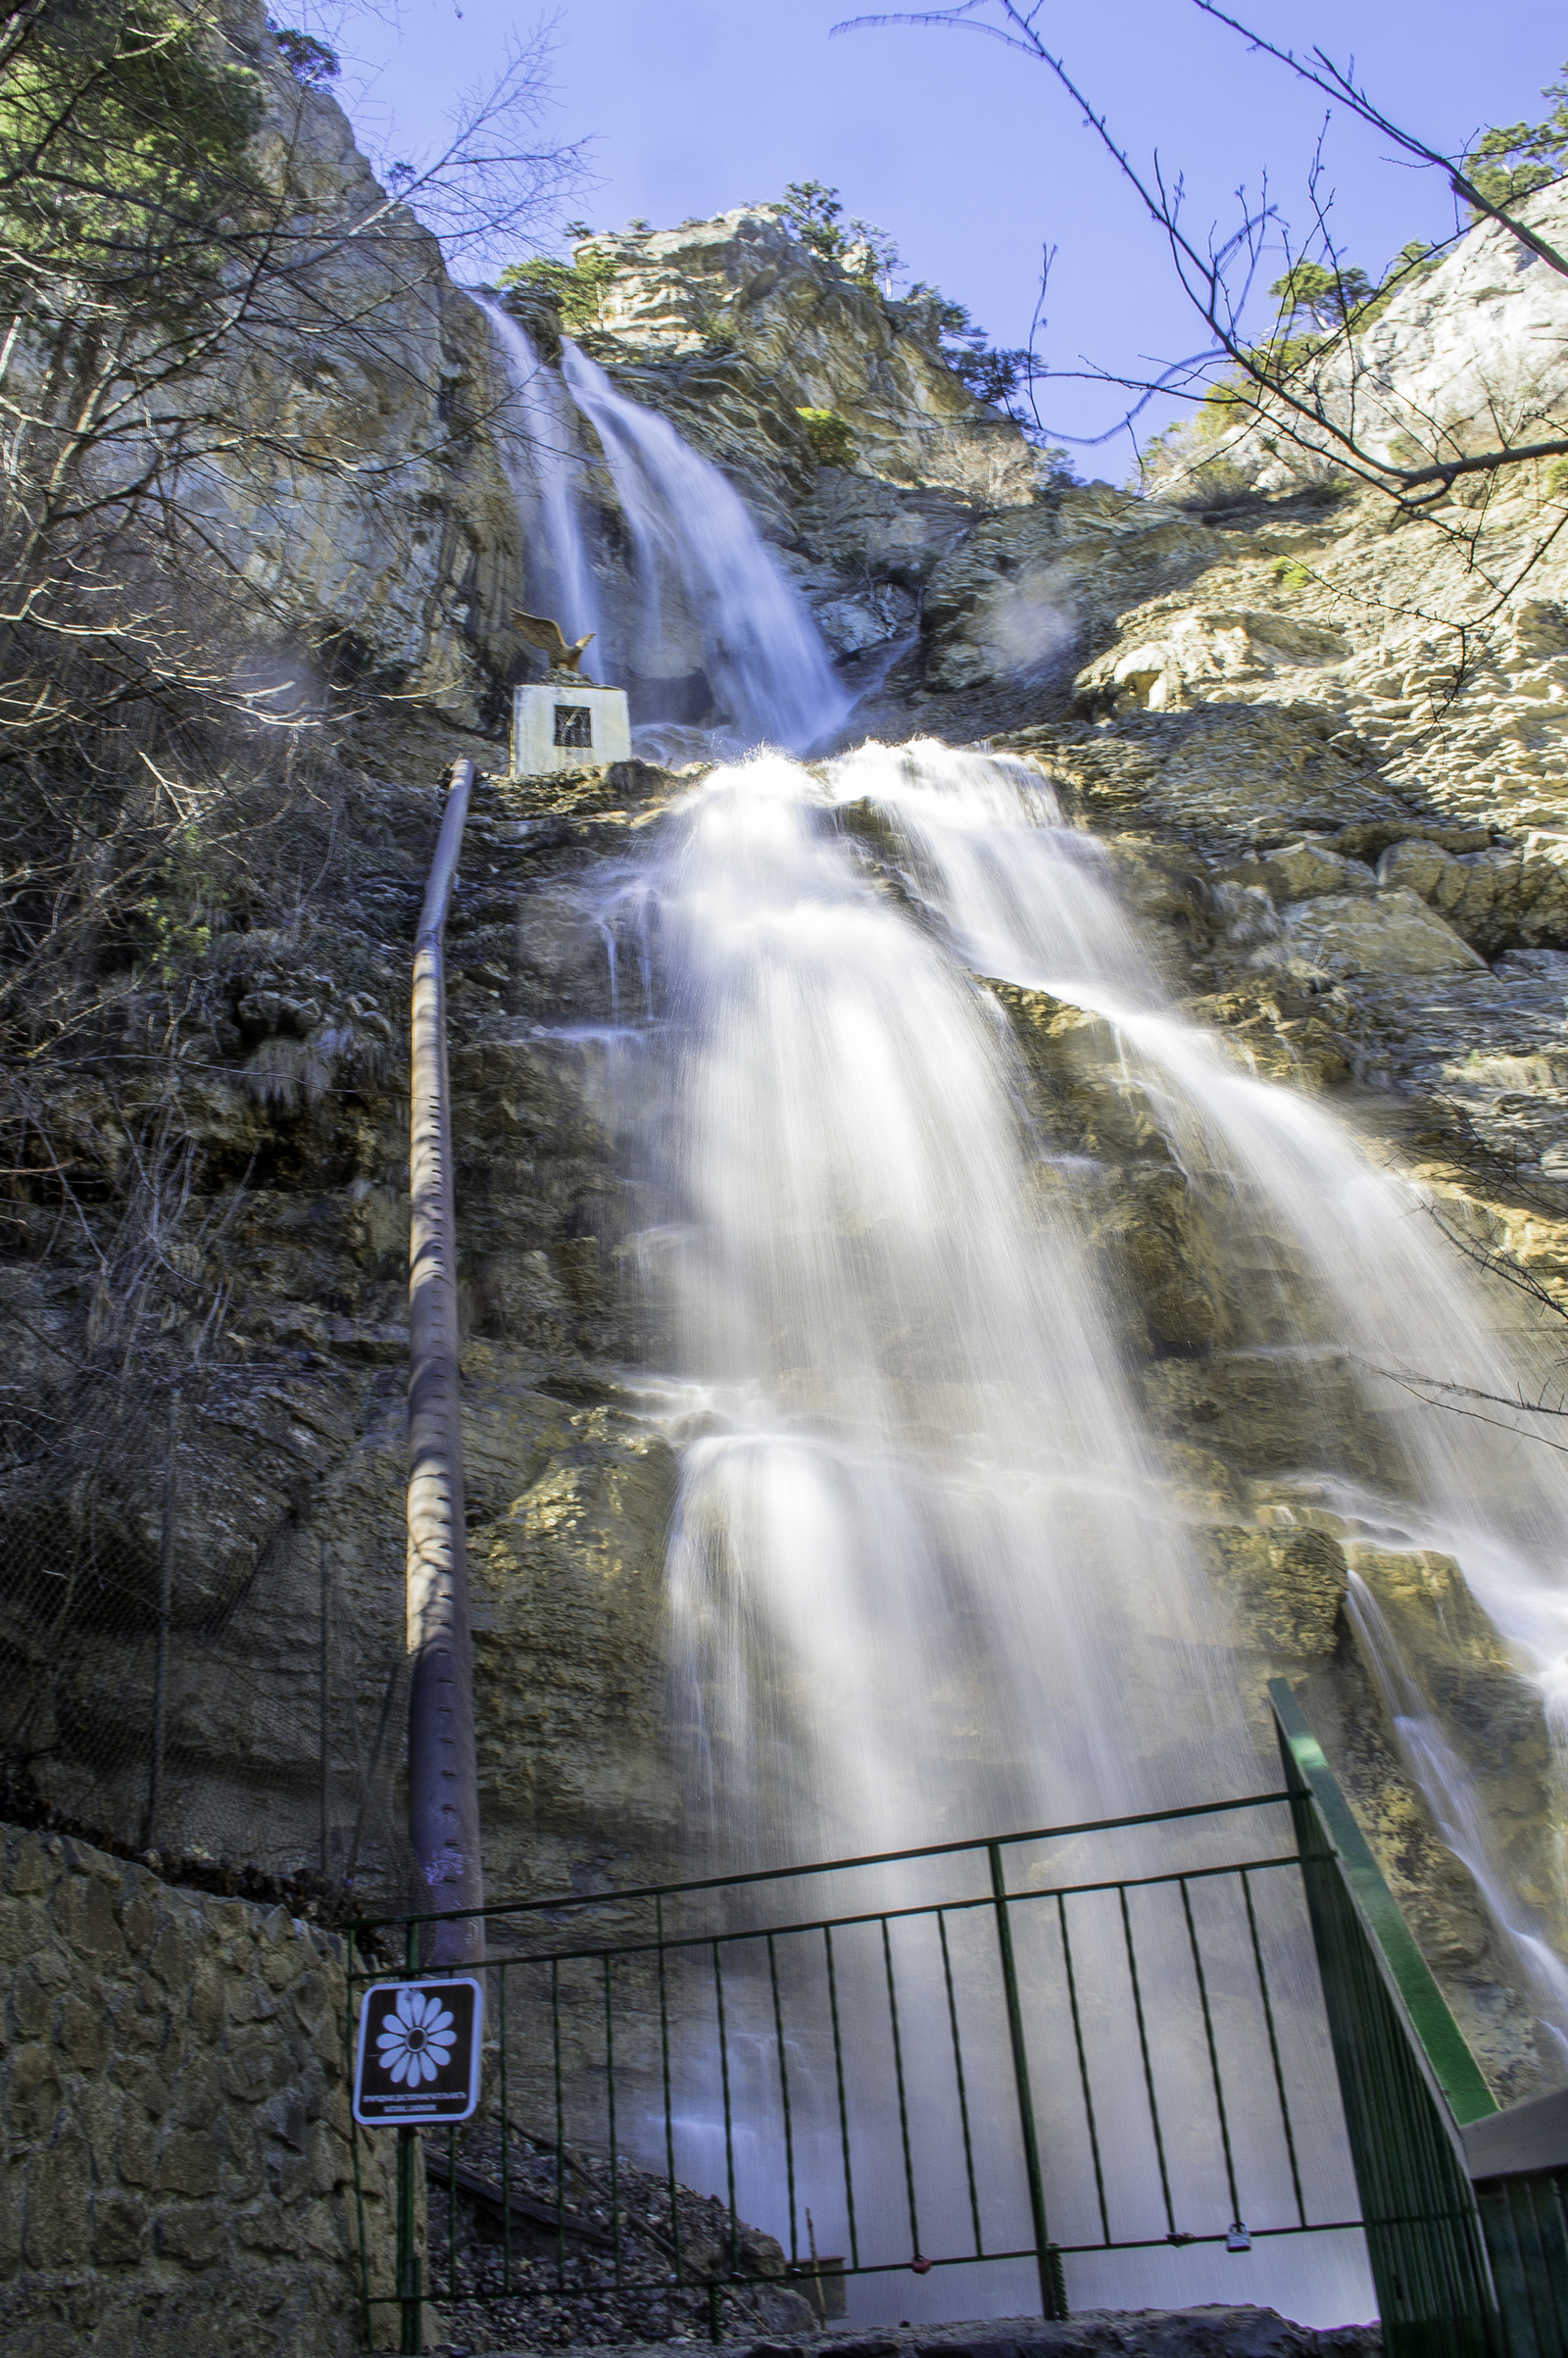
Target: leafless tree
column 1314, row 397
column 178, row 251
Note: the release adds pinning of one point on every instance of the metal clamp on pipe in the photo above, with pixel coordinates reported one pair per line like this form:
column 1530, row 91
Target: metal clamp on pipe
column 443, row 1773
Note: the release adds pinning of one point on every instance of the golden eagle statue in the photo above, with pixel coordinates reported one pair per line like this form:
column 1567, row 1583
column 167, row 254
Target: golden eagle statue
column 550, row 638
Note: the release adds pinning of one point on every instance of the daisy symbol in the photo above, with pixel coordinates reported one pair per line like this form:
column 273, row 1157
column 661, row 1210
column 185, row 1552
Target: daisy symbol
column 415, row 2039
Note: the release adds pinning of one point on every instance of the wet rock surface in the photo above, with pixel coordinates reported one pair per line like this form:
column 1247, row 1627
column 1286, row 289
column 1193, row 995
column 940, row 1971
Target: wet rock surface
column 1204, row 2333
column 537, row 2262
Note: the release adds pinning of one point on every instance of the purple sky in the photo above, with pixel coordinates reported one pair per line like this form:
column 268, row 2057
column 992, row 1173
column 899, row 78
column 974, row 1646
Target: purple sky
column 972, row 156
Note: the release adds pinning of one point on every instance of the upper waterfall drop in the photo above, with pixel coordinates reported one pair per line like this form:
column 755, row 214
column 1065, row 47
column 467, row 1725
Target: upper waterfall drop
column 703, row 575
column 700, row 560
column 545, row 470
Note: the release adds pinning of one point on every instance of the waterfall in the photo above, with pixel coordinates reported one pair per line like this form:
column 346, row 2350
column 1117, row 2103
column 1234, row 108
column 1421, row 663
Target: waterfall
column 1338, row 1271
column 924, row 1494
column 710, row 611
column 544, row 466
column 927, row 1576
column 702, row 566
column 932, row 1570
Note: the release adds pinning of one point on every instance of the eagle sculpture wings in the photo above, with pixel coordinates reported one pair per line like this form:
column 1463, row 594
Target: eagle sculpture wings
column 550, row 637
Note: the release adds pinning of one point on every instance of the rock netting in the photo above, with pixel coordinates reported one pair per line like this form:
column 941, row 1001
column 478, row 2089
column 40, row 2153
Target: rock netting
column 179, row 2171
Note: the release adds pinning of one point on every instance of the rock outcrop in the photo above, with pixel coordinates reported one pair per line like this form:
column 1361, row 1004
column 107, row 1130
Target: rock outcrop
column 733, row 328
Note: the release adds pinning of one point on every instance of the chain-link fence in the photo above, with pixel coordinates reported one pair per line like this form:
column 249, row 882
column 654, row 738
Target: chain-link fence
column 190, row 1666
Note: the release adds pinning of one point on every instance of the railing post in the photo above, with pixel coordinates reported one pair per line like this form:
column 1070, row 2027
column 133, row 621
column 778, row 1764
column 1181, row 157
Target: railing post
column 1407, row 2080
column 443, row 1775
column 1053, row 2284
column 324, row 1795
column 410, row 2288
column 410, row 2173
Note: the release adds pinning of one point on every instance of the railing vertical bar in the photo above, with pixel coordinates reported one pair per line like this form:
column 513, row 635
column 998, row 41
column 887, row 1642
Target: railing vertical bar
column 963, row 2092
column 505, row 2134
column 1148, row 2068
column 610, row 2100
column 1287, row 2123
column 904, row 2102
column 1213, row 2050
column 1053, row 2292
column 561, row 2127
column 784, row 2093
column 670, row 2112
column 1083, row 2066
column 729, row 2123
column 452, row 2211
column 844, row 2110
column 350, row 1955
column 166, row 1577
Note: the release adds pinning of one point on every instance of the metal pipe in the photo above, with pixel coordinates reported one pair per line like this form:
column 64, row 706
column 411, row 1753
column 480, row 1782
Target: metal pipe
column 1053, row 2290
column 443, row 1774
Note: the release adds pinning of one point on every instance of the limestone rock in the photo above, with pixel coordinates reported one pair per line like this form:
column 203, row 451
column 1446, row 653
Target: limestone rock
column 1452, row 1664
column 1288, row 1587
column 1501, row 896
column 1457, row 352
column 1386, row 932
column 1028, row 585
column 735, row 326
column 1304, row 870
column 1207, row 650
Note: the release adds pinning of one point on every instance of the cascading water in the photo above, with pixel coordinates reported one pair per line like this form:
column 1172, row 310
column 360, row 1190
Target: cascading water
column 703, row 578
column 928, row 1574
column 1353, row 1271
column 926, row 1578
column 702, row 564
column 545, row 468
column 923, row 1483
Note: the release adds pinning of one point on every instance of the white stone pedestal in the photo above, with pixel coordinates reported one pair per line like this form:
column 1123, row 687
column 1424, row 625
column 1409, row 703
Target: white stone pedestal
column 568, row 724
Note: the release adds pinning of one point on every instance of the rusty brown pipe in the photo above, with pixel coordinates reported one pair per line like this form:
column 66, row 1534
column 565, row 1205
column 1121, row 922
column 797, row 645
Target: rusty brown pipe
column 443, row 1773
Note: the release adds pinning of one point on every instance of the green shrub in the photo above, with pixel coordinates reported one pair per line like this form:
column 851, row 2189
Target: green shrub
column 832, row 442
column 578, row 286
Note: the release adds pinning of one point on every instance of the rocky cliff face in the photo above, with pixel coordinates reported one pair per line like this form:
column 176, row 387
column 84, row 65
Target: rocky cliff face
column 733, row 327
column 1333, row 790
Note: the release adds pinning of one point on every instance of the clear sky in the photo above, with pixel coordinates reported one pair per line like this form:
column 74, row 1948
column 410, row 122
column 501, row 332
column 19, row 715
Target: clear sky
column 972, row 156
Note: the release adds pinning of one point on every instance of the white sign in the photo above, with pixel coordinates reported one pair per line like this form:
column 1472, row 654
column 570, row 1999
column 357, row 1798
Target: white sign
column 418, row 2051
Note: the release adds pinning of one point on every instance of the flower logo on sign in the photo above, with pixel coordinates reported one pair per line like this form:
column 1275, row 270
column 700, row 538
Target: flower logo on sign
column 416, row 2039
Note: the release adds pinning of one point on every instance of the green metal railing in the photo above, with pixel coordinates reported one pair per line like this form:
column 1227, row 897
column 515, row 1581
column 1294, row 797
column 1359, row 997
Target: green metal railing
column 945, row 2044
column 1406, row 2077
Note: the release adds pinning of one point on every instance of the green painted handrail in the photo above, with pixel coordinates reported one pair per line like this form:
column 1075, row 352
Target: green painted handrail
column 1406, row 1969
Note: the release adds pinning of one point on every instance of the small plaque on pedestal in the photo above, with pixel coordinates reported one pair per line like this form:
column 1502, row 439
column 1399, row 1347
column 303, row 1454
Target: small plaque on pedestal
column 567, row 723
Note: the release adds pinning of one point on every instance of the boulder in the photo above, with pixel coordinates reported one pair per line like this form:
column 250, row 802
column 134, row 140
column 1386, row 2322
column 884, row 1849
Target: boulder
column 1391, row 932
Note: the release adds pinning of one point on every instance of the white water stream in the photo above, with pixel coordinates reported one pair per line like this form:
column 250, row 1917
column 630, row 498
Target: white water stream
column 703, row 578
column 700, row 564
column 930, row 1576
column 545, row 467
